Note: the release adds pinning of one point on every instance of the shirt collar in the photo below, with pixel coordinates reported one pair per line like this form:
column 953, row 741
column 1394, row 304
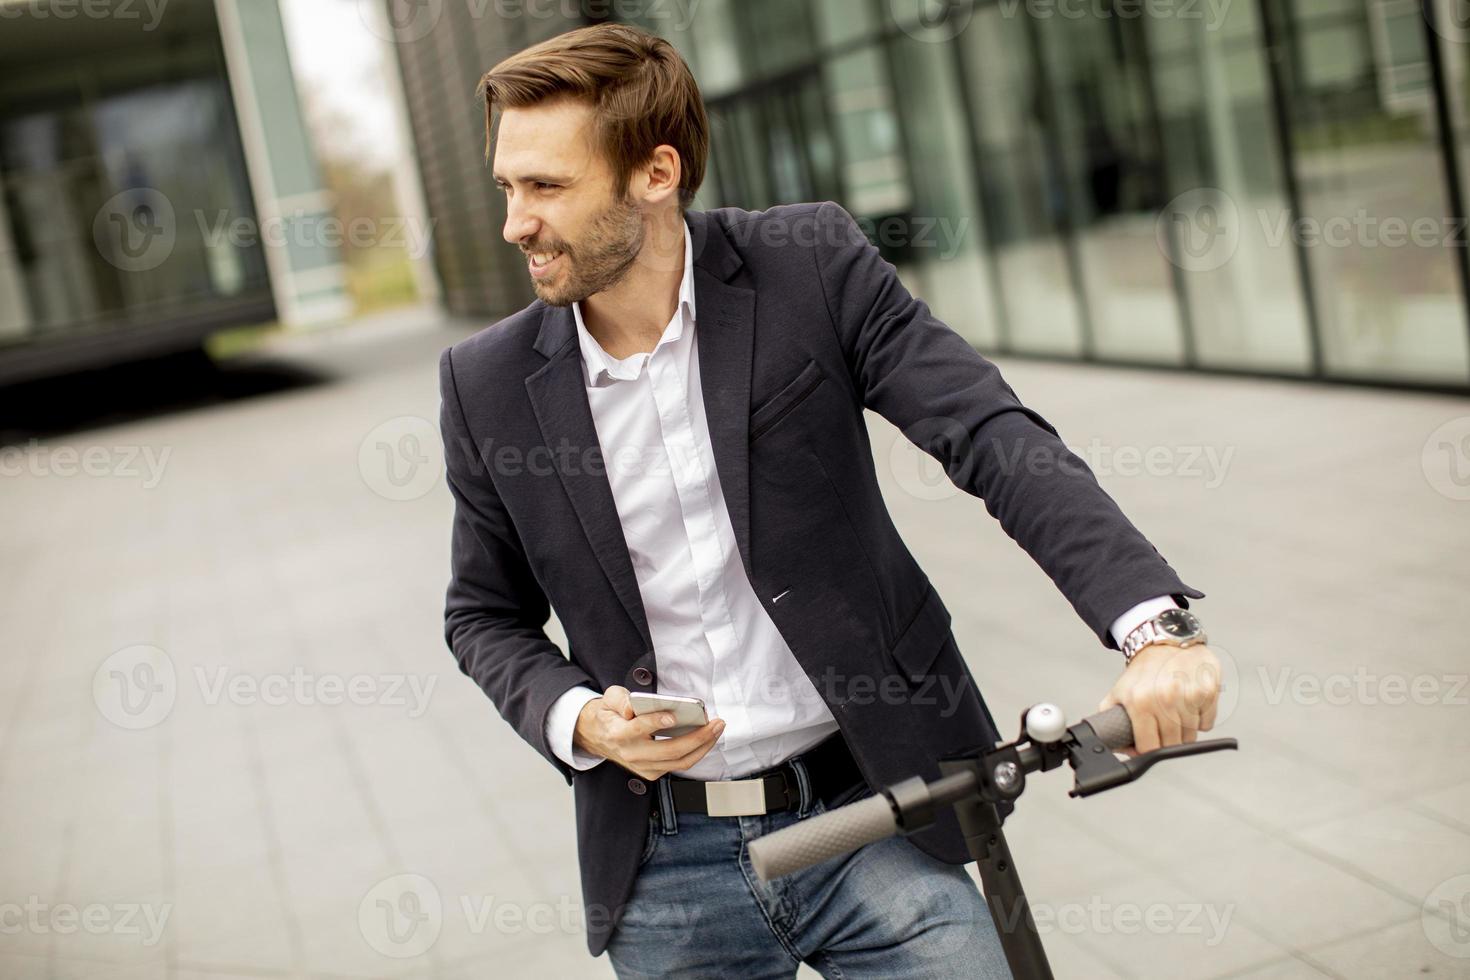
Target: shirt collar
column 600, row 368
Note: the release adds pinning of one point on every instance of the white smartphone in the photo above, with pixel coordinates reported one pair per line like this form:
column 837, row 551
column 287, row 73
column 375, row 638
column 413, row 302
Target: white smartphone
column 688, row 712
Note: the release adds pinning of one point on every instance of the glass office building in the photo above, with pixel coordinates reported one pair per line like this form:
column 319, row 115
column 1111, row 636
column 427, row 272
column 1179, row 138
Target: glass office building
column 1262, row 186
column 150, row 157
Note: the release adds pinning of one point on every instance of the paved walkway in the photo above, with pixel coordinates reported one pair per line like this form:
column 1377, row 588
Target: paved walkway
column 232, row 743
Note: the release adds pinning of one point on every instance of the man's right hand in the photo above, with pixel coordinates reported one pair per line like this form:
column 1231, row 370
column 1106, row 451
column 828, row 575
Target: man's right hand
column 608, row 728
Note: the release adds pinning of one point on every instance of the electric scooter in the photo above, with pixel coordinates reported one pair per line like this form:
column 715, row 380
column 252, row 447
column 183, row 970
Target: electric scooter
column 976, row 786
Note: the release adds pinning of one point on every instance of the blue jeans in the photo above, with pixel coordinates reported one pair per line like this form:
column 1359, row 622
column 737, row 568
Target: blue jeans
column 888, row 910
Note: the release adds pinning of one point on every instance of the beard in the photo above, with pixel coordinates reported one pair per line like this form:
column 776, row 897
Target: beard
column 599, row 261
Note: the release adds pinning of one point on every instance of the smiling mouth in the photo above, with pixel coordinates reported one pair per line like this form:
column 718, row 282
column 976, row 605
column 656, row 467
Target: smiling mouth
column 541, row 261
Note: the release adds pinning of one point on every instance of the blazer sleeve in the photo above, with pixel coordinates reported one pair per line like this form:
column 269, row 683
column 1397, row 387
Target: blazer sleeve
column 495, row 612
column 952, row 403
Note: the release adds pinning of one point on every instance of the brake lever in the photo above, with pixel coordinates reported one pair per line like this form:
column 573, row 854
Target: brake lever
column 1096, row 768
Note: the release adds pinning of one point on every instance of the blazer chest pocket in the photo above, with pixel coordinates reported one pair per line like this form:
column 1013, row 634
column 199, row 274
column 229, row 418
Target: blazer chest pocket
column 792, row 394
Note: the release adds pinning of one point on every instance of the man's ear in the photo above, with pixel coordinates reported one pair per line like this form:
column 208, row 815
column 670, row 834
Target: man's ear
column 658, row 179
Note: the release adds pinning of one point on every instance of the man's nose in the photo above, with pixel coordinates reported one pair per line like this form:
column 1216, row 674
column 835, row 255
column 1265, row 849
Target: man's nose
column 519, row 225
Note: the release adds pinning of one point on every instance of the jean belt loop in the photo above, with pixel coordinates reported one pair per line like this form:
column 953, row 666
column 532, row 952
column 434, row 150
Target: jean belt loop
column 804, row 785
column 668, row 816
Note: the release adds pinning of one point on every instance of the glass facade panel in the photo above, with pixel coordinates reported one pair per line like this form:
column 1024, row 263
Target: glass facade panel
column 1108, row 136
column 1188, row 185
column 124, row 205
column 1225, row 173
column 1022, row 184
column 1374, row 223
column 947, row 232
column 875, row 177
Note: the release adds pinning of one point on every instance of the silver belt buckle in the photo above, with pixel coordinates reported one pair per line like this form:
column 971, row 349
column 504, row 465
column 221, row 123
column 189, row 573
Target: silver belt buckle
column 735, row 798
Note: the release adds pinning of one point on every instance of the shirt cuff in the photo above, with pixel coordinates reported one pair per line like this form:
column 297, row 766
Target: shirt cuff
column 561, row 722
column 1138, row 615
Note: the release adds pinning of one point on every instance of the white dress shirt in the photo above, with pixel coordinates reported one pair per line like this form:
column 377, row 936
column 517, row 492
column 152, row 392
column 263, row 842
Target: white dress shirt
column 712, row 638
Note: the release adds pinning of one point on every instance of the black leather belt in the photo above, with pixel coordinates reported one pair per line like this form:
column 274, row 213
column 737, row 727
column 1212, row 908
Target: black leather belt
column 830, row 769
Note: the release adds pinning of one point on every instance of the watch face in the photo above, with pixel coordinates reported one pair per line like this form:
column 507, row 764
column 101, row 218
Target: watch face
column 1178, row 623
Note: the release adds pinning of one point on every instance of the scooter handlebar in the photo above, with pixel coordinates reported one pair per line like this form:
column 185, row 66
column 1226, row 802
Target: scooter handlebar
column 824, row 836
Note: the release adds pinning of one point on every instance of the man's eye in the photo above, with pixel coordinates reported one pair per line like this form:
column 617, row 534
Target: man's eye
column 542, row 185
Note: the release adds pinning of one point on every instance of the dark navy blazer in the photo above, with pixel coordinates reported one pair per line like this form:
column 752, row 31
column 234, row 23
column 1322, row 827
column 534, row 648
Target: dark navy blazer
column 801, row 326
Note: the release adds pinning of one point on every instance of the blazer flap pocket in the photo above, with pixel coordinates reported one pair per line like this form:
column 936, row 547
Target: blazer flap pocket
column 922, row 639
column 773, row 409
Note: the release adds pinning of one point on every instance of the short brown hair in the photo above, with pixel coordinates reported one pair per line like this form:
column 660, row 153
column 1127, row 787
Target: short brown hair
column 641, row 90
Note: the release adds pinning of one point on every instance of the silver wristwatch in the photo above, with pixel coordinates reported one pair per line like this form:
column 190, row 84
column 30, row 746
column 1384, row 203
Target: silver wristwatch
column 1176, row 627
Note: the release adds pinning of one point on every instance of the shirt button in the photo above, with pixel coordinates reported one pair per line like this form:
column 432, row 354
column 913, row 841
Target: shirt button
column 637, row 786
column 642, row 675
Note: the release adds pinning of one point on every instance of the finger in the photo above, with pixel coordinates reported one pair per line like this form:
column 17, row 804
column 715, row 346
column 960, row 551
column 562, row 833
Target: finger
column 1207, row 717
column 644, row 748
column 616, row 698
column 1145, row 729
column 689, row 759
column 1187, row 717
column 1169, row 729
column 645, row 726
column 670, row 748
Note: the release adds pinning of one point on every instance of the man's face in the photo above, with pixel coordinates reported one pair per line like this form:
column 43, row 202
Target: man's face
column 579, row 233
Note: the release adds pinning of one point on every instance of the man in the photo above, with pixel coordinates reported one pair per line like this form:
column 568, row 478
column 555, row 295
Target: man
column 668, row 447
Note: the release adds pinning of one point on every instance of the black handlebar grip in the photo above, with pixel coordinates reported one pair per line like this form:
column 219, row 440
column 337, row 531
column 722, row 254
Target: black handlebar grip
column 824, row 836
column 1113, row 727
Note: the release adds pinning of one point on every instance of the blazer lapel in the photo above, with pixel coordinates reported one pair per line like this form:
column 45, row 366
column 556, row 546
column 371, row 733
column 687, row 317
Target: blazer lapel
column 724, row 332
column 558, row 395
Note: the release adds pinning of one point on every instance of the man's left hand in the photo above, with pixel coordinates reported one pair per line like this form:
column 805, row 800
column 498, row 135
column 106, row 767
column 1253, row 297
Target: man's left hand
column 1170, row 692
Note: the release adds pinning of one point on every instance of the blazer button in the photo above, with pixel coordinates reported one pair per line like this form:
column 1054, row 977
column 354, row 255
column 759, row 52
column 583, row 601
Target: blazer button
column 642, row 675
column 637, row 786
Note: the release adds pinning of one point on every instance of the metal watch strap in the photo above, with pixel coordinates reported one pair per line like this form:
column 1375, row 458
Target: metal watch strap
column 1147, row 632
